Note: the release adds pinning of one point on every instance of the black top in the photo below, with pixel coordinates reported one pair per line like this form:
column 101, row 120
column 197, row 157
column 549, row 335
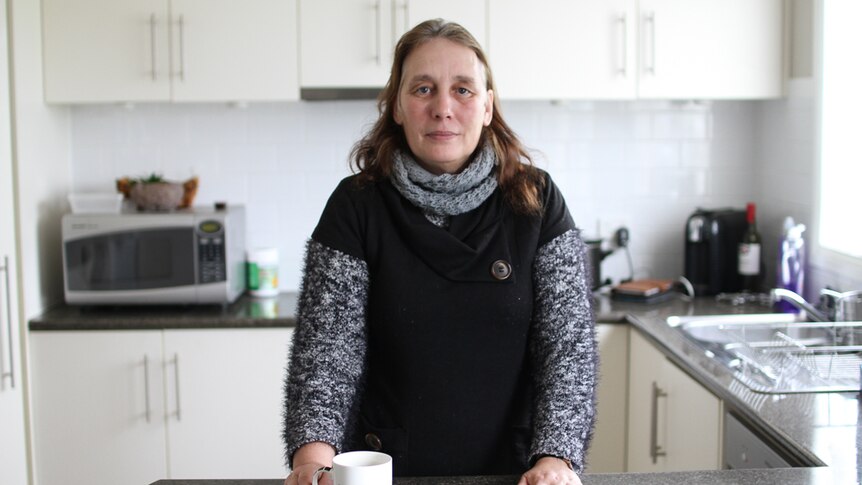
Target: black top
column 448, row 385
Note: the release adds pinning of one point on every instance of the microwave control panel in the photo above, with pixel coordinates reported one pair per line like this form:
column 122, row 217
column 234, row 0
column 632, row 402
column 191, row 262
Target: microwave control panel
column 212, row 264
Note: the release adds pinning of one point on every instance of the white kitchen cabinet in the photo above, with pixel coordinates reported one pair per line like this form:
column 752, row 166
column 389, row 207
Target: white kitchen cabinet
column 674, row 422
column 13, row 444
column 563, row 49
column 711, row 49
column 137, row 406
column 471, row 14
column 607, row 452
column 225, row 399
column 169, row 50
column 626, row 49
column 344, row 43
column 349, row 44
column 98, row 407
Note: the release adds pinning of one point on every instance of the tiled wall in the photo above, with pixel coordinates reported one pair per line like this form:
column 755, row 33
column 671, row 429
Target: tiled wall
column 787, row 179
column 643, row 165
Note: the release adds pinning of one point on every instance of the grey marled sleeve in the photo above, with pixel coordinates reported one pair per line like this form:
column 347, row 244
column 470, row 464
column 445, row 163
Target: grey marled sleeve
column 328, row 353
column 563, row 351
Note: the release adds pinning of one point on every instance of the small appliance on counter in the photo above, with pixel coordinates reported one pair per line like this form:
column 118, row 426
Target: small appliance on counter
column 712, row 238
column 595, row 255
column 188, row 256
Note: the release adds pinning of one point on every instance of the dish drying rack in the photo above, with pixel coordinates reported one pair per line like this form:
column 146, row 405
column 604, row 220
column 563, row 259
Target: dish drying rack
column 798, row 357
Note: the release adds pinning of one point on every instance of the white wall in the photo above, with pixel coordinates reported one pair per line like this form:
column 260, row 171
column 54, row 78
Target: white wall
column 787, row 150
column 645, row 165
column 41, row 146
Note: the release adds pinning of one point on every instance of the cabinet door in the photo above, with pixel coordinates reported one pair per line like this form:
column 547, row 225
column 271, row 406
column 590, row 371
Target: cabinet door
column 225, row 400
column 470, row 14
column 105, row 50
column 693, row 423
column 563, row 49
column 225, row 50
column 98, row 414
column 674, row 422
column 607, row 452
column 711, row 49
column 13, row 445
column 345, row 43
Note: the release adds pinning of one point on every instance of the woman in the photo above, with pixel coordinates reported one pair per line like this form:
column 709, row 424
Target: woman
column 445, row 316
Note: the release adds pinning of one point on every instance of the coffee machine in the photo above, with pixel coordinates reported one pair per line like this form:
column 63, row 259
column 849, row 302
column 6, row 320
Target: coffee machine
column 712, row 237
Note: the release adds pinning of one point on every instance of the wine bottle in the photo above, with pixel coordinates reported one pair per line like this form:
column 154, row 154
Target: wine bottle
column 749, row 253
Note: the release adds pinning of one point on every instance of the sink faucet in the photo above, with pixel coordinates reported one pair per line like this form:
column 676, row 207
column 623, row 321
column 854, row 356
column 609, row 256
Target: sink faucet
column 794, row 299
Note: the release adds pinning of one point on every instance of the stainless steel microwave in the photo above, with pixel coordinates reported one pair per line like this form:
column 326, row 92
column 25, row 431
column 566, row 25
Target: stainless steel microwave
column 193, row 256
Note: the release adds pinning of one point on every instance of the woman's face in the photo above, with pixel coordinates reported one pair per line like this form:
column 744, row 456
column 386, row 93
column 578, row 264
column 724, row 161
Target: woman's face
column 443, row 104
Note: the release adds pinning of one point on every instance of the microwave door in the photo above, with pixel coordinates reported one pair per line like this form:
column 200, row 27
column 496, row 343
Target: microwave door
column 132, row 260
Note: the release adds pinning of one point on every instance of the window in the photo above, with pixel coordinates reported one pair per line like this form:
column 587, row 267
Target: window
column 840, row 229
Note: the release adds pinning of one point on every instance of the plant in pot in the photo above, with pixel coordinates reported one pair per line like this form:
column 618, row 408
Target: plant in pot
column 154, row 193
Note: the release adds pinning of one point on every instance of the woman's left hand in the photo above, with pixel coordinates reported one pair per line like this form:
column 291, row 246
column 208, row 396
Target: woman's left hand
column 550, row 471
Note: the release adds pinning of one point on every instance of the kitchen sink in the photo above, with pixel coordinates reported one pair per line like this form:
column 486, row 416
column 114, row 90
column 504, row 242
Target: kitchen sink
column 777, row 352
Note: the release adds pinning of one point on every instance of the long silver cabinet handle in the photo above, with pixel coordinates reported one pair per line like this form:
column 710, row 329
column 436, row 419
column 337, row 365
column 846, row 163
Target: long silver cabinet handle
column 377, row 55
column 655, row 450
column 147, row 387
column 650, row 19
column 405, row 9
column 176, row 362
column 182, row 73
column 622, row 62
column 11, row 373
column 153, row 46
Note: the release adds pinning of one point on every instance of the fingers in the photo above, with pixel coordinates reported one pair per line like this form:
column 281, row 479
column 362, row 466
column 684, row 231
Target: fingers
column 303, row 475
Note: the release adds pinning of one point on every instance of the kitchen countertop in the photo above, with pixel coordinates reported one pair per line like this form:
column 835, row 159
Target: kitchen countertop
column 812, row 429
column 816, row 429
column 246, row 311
column 785, row 476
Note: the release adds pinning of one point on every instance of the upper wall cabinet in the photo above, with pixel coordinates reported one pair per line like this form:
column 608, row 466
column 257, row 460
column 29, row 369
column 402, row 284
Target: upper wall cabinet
column 720, row 49
column 562, row 49
column 626, row 49
column 169, row 50
column 349, row 44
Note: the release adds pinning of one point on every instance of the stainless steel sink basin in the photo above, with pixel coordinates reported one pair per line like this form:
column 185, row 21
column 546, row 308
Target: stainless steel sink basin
column 778, row 353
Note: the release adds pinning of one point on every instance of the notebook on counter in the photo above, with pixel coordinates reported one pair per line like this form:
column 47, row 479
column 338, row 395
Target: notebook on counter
column 646, row 290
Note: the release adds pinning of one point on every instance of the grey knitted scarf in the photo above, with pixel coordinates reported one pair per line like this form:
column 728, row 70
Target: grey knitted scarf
column 447, row 194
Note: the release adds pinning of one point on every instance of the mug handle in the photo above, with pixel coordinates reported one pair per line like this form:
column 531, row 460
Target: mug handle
column 320, row 471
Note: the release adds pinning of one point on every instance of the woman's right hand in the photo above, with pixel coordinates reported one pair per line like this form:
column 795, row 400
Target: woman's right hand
column 309, row 458
column 303, row 474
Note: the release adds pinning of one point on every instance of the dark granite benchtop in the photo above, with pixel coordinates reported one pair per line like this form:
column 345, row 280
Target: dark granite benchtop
column 245, row 312
column 812, row 429
column 784, row 476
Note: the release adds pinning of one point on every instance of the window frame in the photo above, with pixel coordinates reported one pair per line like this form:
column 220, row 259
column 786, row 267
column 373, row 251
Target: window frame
column 842, row 264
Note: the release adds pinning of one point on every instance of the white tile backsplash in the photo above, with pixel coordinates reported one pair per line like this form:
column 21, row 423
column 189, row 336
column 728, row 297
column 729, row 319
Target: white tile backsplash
column 645, row 165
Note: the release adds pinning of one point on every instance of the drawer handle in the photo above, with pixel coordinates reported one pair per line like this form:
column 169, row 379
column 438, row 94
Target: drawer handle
column 655, row 450
column 176, row 362
column 147, row 387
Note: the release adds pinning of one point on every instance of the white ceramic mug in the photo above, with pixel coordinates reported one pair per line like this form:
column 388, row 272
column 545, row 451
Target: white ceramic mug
column 359, row 468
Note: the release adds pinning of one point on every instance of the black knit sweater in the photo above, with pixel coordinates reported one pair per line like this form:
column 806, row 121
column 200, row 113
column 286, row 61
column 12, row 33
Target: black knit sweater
column 403, row 332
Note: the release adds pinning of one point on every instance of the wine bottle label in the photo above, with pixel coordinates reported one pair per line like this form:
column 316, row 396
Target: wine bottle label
column 749, row 259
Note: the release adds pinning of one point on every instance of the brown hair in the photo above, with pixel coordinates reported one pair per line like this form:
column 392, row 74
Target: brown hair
column 372, row 155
